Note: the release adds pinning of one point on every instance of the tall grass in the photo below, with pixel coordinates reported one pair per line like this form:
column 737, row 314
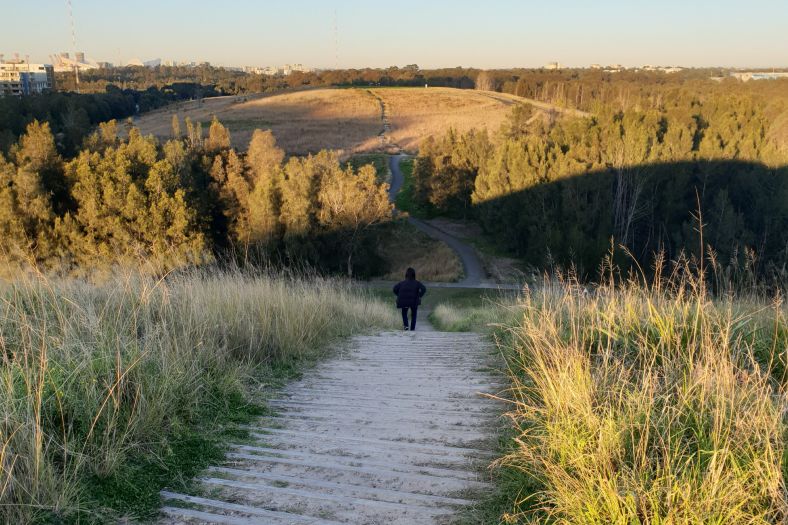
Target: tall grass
column 649, row 405
column 94, row 375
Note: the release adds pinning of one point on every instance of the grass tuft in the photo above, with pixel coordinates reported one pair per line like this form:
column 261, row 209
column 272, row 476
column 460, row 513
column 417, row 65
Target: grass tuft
column 639, row 405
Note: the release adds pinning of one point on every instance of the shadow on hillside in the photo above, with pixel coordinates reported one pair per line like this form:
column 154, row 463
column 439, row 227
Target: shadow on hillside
column 647, row 208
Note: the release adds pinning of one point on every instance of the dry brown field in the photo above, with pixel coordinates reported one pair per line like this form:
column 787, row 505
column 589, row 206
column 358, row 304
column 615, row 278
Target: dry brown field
column 348, row 120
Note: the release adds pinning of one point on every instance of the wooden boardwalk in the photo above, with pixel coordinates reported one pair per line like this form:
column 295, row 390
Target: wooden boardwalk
column 392, row 430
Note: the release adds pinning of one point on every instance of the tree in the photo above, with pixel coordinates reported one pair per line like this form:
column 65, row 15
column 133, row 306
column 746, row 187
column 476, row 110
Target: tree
column 264, row 163
column 300, row 187
column 27, row 190
column 131, row 206
column 36, row 156
column 485, row 81
column 19, row 228
column 176, row 127
column 350, row 203
column 218, row 137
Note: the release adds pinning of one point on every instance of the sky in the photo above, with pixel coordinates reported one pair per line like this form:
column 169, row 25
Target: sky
column 430, row 33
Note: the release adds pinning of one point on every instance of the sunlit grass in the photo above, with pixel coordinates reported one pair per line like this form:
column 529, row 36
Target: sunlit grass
column 94, row 375
column 634, row 405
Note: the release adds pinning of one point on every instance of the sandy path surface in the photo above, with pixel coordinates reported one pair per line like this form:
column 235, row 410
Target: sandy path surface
column 393, row 430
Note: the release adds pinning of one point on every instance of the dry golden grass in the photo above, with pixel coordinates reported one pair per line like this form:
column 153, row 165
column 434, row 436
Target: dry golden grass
column 159, row 122
column 303, row 121
column 417, row 113
column 404, row 246
column 309, row 121
column 348, row 120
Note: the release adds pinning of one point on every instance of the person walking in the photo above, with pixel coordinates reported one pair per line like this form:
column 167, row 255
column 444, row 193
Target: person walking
column 409, row 293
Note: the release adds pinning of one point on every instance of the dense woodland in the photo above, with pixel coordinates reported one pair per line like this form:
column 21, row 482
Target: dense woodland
column 644, row 176
column 658, row 155
column 236, row 82
column 187, row 201
column 73, row 116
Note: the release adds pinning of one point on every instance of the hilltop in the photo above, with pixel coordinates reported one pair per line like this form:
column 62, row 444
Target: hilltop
column 350, row 120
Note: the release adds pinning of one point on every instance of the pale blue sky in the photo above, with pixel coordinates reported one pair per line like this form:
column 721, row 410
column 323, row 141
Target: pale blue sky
column 492, row 33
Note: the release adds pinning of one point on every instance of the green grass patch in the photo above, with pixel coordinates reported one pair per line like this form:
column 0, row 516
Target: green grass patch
column 405, row 200
column 378, row 160
column 401, row 245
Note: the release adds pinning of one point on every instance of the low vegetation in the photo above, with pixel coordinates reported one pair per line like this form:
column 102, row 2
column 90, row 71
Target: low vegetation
column 379, row 161
column 474, row 310
column 628, row 403
column 111, row 391
column 402, row 246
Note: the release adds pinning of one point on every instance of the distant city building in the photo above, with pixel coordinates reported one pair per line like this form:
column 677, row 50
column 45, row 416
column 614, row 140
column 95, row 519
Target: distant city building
column 746, row 76
column 664, row 69
column 152, row 63
column 553, row 66
column 62, row 62
column 18, row 78
column 271, row 71
column 596, row 66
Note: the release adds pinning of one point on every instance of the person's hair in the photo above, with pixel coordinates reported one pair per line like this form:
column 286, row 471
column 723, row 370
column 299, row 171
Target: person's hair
column 410, row 273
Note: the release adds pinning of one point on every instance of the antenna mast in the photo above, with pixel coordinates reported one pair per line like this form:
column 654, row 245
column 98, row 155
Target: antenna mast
column 73, row 43
column 336, row 41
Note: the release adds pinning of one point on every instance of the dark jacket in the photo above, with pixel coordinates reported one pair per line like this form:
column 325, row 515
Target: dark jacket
column 409, row 293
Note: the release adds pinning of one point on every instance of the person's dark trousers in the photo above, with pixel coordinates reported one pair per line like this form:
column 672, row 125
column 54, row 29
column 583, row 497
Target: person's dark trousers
column 414, row 310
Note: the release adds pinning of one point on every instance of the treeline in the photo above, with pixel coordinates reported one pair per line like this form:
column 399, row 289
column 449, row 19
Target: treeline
column 73, row 116
column 556, row 191
column 594, row 90
column 184, row 202
column 586, row 89
column 233, row 82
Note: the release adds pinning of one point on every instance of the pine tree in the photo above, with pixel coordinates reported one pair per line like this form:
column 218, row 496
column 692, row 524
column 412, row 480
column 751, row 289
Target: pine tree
column 264, row 162
column 218, row 137
column 176, row 126
column 131, row 207
column 36, row 156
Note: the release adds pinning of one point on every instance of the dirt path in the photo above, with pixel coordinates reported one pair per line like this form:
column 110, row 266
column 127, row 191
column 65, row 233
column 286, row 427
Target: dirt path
column 386, row 144
column 511, row 100
column 474, row 274
column 391, row 431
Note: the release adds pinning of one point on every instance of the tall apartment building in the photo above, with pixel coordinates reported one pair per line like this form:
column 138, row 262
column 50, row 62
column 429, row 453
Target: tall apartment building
column 19, row 78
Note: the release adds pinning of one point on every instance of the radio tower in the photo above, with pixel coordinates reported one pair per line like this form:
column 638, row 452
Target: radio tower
column 336, row 41
column 73, row 43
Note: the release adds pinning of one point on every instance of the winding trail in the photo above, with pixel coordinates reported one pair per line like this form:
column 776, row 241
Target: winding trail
column 473, row 269
column 392, row 431
column 386, row 144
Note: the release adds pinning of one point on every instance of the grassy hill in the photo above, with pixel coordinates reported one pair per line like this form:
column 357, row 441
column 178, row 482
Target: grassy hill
column 349, row 120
